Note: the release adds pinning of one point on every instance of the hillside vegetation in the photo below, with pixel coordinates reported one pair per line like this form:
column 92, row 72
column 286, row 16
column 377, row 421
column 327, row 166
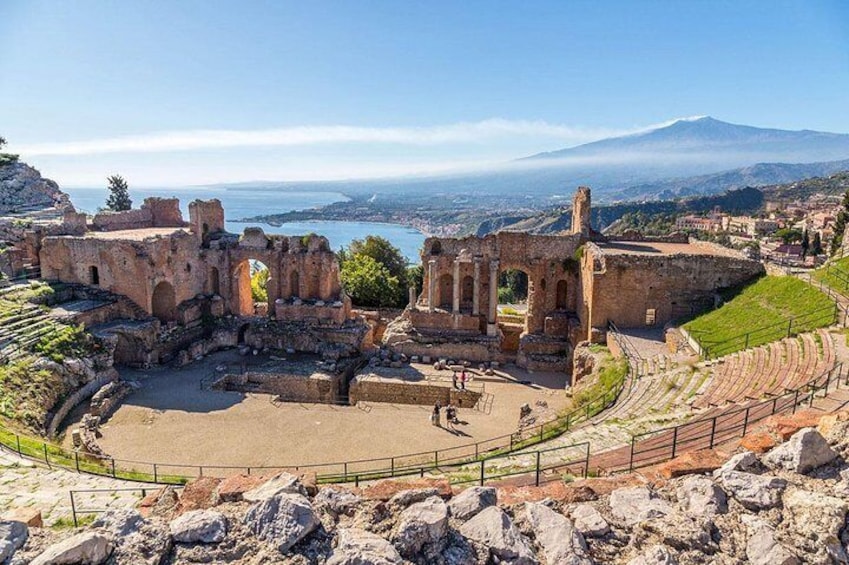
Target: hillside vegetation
column 763, row 311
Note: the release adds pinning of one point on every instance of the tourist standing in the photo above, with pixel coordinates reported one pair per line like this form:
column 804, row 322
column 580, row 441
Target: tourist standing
column 454, row 379
column 434, row 417
column 463, row 380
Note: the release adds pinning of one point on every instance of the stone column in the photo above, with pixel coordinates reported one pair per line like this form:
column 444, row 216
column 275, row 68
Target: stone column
column 493, row 292
column 431, row 283
column 412, row 298
column 476, row 288
column 456, row 293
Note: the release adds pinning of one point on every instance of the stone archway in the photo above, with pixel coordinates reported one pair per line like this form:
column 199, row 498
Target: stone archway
column 562, row 295
column 164, row 302
column 295, row 284
column 446, row 291
column 467, row 292
column 251, row 284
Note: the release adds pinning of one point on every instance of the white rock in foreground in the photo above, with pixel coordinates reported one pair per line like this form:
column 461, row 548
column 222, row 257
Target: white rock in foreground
column 561, row 543
column 284, row 483
column 755, row 492
column 655, row 555
column 471, row 501
column 199, row 526
column 89, row 548
column 421, row 524
column 493, row 528
column 359, row 547
column 589, row 521
column 633, row 505
column 803, row 452
column 283, row 520
column 13, row 535
column 699, row 496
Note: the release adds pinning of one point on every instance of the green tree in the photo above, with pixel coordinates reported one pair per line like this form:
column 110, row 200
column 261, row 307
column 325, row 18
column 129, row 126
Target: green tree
column 840, row 225
column 259, row 283
column 816, row 245
column 369, row 283
column 119, row 194
column 806, row 243
column 415, row 277
column 382, row 252
column 2, row 141
column 512, row 286
column 789, row 235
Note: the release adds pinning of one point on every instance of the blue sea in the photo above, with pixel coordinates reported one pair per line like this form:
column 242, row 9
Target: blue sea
column 245, row 203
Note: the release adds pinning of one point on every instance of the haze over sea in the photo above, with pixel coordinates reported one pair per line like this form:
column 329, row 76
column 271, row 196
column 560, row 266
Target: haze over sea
column 246, row 203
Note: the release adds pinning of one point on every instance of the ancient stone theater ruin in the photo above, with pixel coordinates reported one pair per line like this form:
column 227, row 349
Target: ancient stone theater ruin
column 578, row 284
column 189, row 282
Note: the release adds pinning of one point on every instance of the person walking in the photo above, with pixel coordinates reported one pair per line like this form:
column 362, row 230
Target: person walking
column 463, row 380
column 454, row 379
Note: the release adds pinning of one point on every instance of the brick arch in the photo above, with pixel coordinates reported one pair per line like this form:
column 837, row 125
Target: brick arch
column 164, row 302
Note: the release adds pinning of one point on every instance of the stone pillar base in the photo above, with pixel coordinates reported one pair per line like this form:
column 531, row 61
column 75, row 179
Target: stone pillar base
column 492, row 330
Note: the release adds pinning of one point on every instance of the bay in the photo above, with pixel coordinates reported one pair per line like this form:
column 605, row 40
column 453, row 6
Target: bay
column 245, row 203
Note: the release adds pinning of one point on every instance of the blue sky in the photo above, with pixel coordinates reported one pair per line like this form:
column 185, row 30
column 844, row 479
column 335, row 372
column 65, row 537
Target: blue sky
column 172, row 93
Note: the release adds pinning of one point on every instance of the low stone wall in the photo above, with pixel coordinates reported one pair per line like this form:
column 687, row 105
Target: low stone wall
column 87, row 391
column 317, row 388
column 127, row 220
column 369, row 389
column 334, row 312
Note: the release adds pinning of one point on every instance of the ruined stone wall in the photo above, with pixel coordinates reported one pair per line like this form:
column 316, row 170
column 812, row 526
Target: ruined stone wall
column 366, row 389
column 206, row 217
column 133, row 268
column 319, row 388
column 622, row 287
column 547, row 260
column 154, row 213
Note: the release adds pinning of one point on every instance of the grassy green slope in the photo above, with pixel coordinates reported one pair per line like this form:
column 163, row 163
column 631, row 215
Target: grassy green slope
column 762, row 311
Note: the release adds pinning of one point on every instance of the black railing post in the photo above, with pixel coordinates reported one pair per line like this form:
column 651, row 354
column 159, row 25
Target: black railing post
column 391, row 466
column 46, row 460
column 483, row 461
column 631, row 458
column 789, row 327
column 795, row 400
column 587, row 462
column 345, row 470
column 536, row 482
column 74, row 510
column 77, row 460
column 746, row 420
column 18, row 439
column 674, row 441
column 155, row 474
column 113, row 468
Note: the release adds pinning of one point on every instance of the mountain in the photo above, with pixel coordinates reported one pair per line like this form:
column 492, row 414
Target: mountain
column 687, row 157
column 709, row 139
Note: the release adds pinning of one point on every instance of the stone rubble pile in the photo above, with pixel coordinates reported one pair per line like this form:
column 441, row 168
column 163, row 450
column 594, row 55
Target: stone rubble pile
column 787, row 506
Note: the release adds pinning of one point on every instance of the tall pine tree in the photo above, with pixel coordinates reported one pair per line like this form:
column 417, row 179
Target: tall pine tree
column 119, row 194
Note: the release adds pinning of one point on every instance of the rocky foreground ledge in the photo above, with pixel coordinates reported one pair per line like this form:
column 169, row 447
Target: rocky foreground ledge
column 787, row 505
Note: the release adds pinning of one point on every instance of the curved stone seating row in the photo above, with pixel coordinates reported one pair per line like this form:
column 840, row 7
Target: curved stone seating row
column 768, row 370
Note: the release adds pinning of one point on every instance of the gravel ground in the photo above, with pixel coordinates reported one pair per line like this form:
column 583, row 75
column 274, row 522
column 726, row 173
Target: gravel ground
column 171, row 420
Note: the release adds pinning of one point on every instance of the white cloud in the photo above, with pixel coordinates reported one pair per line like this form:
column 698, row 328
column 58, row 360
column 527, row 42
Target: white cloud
column 461, row 133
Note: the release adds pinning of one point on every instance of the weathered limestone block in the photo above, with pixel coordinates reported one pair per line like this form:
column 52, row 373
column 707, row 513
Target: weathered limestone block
column 359, row 547
column 554, row 533
column 471, row 501
column 700, row 496
column 754, row 492
column 199, row 526
column 89, row 548
column 804, row 452
column 633, row 505
column 589, row 521
column 494, row 529
column 422, row 524
column 282, row 520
